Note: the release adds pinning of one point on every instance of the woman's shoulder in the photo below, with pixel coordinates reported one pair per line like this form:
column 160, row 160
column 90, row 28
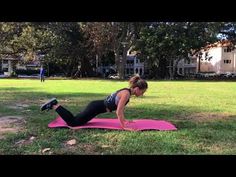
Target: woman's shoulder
column 124, row 91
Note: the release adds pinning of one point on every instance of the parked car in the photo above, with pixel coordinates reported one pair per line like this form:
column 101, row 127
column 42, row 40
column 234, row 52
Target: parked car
column 59, row 75
column 227, row 75
column 233, row 75
column 113, row 76
column 28, row 76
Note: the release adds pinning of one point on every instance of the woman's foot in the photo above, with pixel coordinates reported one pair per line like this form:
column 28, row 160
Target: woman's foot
column 49, row 105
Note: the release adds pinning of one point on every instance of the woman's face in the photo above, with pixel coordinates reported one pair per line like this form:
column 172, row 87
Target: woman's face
column 139, row 92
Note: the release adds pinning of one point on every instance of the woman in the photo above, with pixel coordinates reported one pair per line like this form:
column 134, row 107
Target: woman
column 114, row 102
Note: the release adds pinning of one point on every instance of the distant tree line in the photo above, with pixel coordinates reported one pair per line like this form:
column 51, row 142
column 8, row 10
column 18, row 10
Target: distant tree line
column 76, row 48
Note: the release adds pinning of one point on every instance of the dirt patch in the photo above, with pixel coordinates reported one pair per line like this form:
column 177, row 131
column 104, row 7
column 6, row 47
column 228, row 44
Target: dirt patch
column 10, row 124
column 84, row 148
column 204, row 116
column 19, row 106
column 29, row 101
column 89, row 148
column 25, row 141
column 24, row 104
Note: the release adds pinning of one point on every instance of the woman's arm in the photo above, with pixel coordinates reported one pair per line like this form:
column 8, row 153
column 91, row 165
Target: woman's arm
column 124, row 96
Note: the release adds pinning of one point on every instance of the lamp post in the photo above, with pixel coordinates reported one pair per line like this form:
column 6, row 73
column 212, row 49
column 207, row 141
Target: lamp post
column 79, row 69
column 96, row 62
column 123, row 60
column 124, row 49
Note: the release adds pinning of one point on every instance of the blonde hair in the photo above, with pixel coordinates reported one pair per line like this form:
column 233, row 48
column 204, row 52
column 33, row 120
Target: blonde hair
column 136, row 81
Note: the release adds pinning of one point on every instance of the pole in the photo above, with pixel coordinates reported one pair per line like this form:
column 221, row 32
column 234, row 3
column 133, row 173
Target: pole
column 48, row 69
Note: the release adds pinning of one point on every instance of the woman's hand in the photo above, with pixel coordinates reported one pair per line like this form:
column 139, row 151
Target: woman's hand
column 129, row 121
column 124, row 125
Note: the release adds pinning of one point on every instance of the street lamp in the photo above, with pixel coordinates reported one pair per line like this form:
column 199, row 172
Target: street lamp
column 123, row 59
column 124, row 43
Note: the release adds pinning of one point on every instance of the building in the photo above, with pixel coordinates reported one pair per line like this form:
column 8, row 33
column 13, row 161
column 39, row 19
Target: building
column 6, row 64
column 133, row 65
column 187, row 67
column 219, row 58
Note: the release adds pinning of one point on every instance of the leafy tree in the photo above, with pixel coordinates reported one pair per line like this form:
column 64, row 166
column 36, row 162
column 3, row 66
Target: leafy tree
column 228, row 31
column 164, row 44
column 21, row 41
column 118, row 37
column 70, row 49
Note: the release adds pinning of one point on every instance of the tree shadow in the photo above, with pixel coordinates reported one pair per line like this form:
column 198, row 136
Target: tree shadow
column 182, row 141
column 17, row 89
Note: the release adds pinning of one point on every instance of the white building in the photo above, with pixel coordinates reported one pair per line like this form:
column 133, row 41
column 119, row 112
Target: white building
column 187, row 67
column 217, row 58
column 6, row 64
column 133, row 65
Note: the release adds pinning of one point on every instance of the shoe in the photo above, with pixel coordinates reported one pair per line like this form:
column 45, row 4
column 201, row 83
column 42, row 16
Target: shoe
column 48, row 105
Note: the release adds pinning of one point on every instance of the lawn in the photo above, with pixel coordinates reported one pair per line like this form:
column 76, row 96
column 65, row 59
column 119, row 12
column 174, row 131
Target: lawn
column 204, row 113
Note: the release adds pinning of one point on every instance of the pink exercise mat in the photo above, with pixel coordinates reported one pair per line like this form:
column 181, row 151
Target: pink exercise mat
column 106, row 123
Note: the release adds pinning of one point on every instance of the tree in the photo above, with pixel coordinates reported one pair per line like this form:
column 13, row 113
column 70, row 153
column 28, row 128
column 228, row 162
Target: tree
column 168, row 42
column 228, row 31
column 22, row 41
column 125, row 35
column 98, row 35
column 116, row 36
column 70, row 49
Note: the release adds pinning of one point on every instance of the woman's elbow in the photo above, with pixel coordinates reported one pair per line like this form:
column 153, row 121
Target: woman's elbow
column 119, row 113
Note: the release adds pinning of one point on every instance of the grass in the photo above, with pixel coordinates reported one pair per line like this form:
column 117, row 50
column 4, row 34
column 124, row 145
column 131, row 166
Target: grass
column 204, row 113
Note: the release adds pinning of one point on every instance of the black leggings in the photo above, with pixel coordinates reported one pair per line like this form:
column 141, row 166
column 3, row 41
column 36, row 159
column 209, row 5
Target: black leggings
column 94, row 108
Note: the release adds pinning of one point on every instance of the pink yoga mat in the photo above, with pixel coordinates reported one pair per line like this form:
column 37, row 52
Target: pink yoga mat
column 105, row 123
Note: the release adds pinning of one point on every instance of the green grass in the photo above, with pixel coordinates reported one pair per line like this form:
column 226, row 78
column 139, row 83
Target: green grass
column 204, row 113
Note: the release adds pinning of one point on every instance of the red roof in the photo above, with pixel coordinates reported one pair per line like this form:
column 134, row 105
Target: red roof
column 222, row 43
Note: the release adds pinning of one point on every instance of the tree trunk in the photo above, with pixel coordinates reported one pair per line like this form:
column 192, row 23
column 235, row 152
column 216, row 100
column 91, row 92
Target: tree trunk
column 86, row 68
column 172, row 67
column 12, row 68
column 171, row 74
column 117, row 60
column 161, row 70
column 199, row 65
column 123, row 63
column 175, row 64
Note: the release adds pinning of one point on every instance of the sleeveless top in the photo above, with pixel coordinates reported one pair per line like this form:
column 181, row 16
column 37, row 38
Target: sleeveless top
column 112, row 100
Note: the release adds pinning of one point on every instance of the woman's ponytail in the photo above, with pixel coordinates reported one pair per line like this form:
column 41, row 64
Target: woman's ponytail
column 136, row 81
